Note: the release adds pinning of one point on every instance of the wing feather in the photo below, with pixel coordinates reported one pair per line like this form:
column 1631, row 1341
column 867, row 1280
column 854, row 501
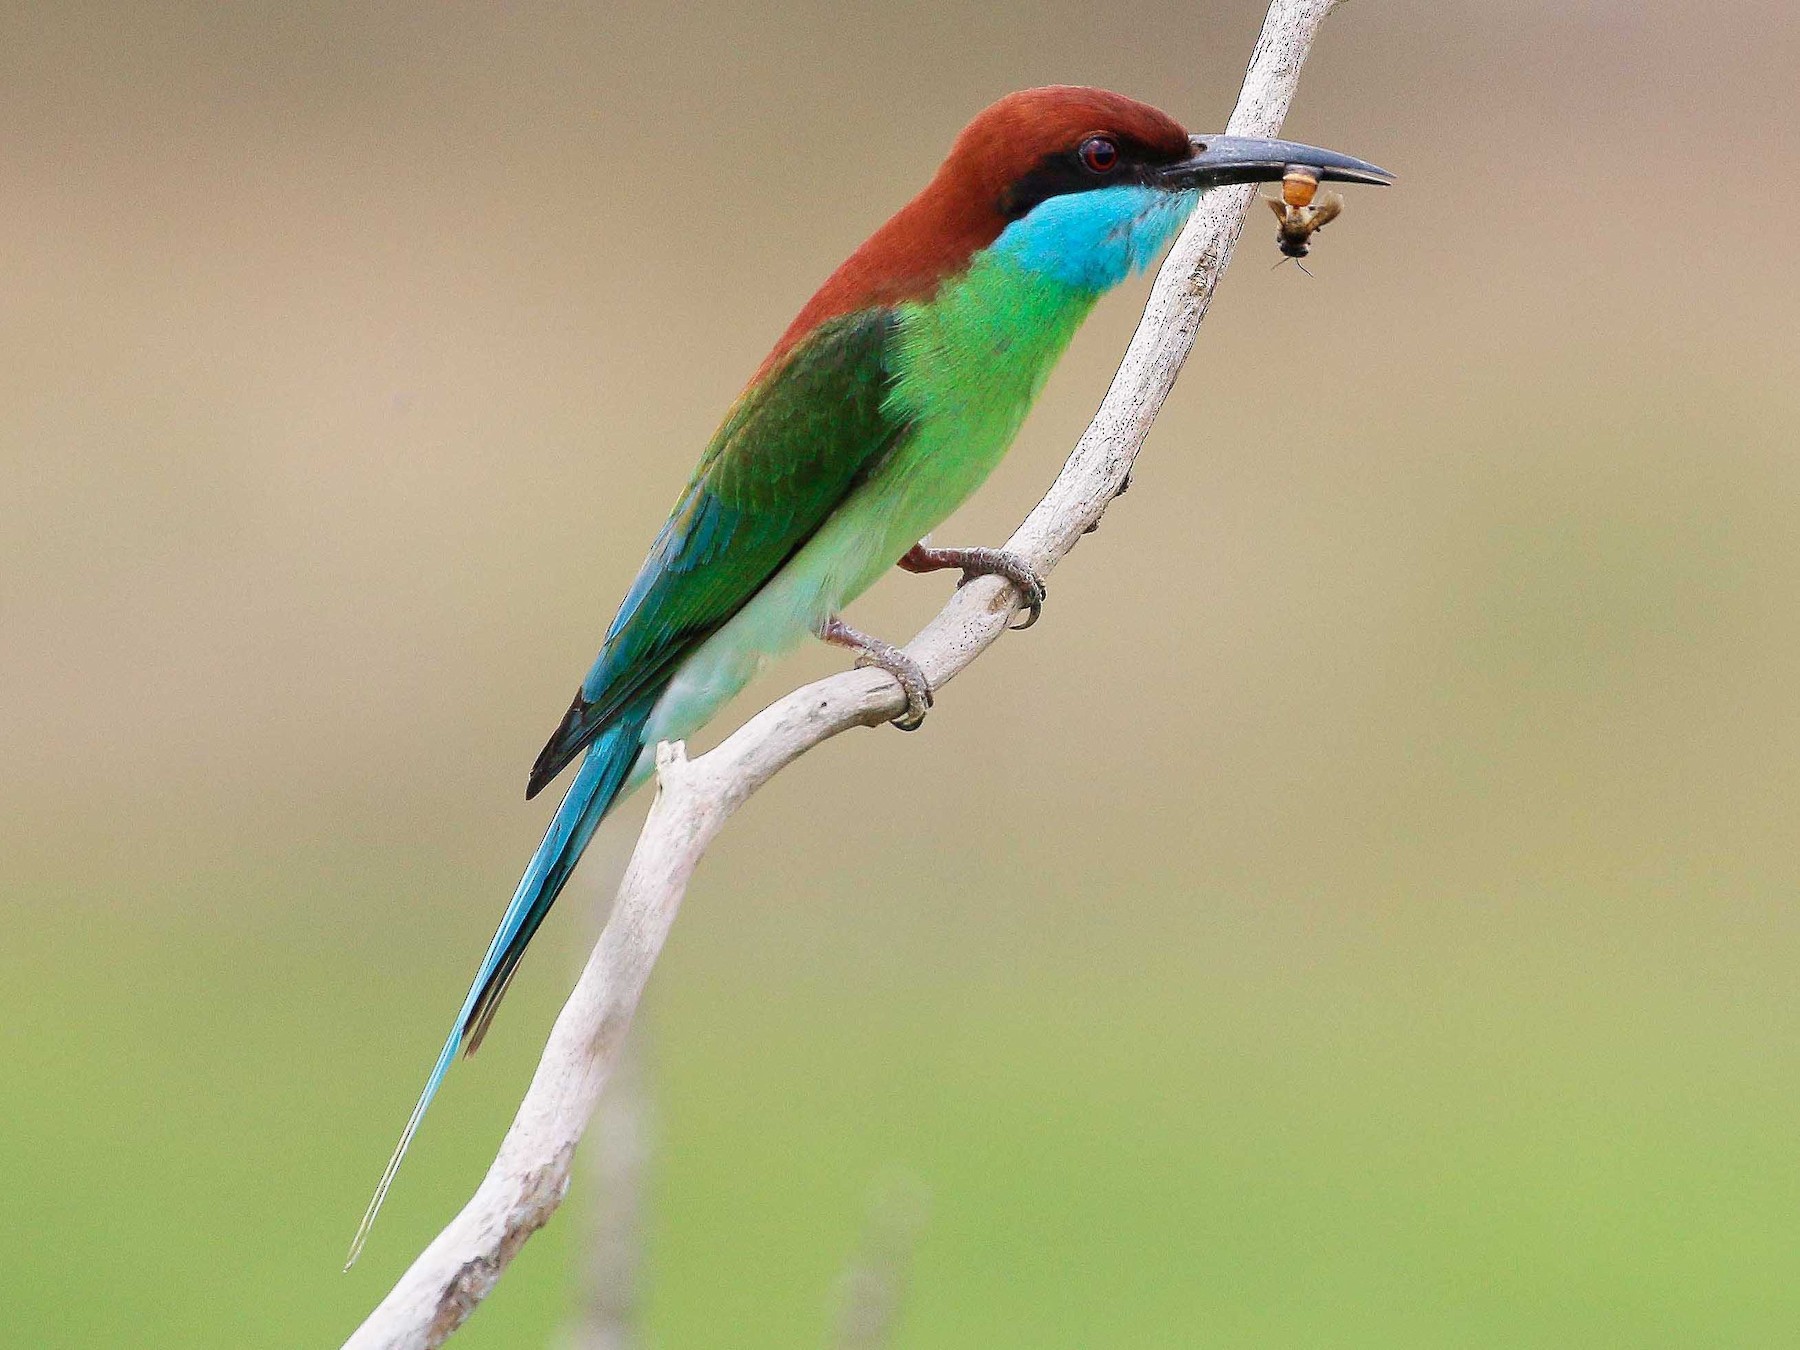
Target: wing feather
column 793, row 447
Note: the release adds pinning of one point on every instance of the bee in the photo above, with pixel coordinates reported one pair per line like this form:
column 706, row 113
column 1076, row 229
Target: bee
column 1300, row 211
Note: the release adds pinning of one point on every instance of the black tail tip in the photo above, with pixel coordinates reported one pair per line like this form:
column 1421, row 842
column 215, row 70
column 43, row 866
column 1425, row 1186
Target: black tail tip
column 551, row 762
column 564, row 744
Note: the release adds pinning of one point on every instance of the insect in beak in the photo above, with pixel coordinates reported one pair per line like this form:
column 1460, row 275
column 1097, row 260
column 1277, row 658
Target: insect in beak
column 1300, row 212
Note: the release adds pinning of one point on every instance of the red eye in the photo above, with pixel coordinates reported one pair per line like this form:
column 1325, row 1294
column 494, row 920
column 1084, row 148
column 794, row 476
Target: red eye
column 1099, row 154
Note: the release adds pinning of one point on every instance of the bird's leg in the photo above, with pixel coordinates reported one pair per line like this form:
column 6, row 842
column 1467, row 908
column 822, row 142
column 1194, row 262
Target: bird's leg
column 872, row 651
column 982, row 562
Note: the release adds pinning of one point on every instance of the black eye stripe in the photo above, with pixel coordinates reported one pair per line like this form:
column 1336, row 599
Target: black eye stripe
column 1058, row 174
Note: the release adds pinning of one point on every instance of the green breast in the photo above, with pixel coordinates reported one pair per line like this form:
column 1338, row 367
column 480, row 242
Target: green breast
column 967, row 367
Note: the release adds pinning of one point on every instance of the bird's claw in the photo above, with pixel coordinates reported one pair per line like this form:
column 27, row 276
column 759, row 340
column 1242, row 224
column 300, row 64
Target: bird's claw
column 999, row 562
column 872, row 651
column 912, row 681
column 983, row 562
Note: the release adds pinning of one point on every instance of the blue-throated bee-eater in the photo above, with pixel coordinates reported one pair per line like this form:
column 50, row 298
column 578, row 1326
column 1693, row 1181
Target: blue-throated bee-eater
column 882, row 407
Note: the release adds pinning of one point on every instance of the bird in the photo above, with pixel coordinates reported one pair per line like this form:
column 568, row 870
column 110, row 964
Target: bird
column 879, row 410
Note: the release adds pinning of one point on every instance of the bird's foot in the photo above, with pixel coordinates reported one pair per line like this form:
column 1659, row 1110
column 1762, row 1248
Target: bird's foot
column 872, row 651
column 983, row 562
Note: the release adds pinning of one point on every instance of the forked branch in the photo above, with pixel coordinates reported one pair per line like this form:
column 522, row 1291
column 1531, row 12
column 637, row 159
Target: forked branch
column 695, row 797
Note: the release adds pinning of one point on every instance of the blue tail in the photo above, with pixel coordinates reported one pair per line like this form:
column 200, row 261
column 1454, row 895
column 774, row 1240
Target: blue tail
column 590, row 796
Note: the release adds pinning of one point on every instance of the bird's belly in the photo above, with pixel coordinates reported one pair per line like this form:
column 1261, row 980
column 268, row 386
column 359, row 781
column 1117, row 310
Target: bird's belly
column 782, row 613
column 861, row 542
column 916, row 491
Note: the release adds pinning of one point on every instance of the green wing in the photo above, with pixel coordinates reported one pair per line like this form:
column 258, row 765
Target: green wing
column 791, row 450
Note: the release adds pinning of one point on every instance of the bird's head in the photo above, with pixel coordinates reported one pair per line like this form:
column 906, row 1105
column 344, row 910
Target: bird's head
column 1079, row 184
column 1089, row 185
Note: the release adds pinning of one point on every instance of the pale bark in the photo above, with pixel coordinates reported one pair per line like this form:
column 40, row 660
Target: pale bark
column 695, row 797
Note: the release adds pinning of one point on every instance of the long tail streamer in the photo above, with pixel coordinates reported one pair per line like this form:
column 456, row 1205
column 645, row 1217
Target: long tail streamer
column 596, row 787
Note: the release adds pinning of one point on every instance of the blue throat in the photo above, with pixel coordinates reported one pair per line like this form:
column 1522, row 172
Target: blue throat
column 1094, row 240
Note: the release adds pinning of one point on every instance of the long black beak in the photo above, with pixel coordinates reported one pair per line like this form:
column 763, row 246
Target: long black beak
column 1218, row 160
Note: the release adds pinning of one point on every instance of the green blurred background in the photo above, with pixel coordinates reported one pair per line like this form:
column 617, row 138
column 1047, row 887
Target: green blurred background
column 1361, row 914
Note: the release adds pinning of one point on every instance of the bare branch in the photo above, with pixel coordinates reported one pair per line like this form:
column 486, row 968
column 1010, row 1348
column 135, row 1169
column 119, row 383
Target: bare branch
column 695, row 797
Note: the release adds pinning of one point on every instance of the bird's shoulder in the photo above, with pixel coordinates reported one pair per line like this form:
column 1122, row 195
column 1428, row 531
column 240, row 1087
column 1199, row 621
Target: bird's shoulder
column 822, row 405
